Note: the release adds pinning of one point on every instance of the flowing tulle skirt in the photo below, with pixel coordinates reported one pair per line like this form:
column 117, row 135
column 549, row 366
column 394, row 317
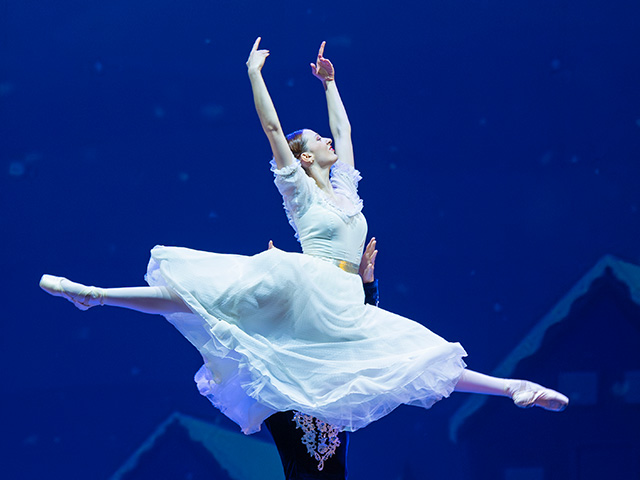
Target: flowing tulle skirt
column 287, row 331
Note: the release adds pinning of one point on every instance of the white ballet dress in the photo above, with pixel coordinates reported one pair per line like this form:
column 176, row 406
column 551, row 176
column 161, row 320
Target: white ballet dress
column 290, row 331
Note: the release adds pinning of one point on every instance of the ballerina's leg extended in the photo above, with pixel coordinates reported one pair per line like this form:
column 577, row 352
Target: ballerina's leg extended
column 162, row 300
column 155, row 300
column 524, row 394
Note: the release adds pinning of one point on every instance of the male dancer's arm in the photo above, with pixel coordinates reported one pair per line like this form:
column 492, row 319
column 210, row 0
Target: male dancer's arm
column 369, row 282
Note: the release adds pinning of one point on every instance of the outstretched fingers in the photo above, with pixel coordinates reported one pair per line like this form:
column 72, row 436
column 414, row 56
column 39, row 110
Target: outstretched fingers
column 370, row 252
column 257, row 57
column 372, row 259
column 368, row 262
column 316, row 66
column 321, row 50
column 323, row 68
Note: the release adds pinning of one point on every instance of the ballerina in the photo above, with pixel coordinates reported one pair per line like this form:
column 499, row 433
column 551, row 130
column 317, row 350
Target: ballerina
column 283, row 331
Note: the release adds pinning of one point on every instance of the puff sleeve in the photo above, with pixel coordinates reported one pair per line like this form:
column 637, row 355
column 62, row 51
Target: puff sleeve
column 296, row 188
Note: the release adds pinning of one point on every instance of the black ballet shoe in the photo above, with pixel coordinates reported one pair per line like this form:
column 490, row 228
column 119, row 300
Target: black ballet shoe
column 80, row 295
column 528, row 394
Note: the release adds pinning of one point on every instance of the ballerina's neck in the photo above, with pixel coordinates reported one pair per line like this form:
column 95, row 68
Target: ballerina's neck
column 323, row 180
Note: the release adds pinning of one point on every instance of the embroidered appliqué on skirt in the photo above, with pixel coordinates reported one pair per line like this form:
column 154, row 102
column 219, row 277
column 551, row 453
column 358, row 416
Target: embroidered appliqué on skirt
column 320, row 438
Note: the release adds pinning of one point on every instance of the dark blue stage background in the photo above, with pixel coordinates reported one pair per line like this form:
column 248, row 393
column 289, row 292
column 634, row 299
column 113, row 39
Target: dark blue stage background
column 498, row 141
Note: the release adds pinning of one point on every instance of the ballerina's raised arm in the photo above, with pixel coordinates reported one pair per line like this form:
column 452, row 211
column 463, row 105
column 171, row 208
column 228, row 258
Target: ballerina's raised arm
column 265, row 108
column 338, row 120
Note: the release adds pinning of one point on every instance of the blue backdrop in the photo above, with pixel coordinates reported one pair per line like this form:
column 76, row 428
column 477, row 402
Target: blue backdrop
column 498, row 142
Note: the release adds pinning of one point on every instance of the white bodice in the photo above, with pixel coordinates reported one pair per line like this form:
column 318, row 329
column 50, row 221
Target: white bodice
column 326, row 227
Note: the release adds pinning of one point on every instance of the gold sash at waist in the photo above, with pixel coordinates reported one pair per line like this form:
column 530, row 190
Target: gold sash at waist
column 341, row 264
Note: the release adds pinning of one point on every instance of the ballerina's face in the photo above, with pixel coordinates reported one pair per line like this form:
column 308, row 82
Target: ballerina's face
column 320, row 148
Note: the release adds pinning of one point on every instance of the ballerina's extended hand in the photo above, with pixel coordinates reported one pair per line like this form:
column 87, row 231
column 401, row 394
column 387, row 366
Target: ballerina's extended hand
column 256, row 59
column 323, row 68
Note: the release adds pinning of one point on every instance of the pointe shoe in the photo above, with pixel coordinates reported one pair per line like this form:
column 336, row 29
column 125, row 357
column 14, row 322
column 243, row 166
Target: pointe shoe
column 80, row 295
column 528, row 394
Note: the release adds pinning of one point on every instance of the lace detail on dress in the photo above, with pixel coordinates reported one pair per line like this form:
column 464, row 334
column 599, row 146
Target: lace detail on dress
column 284, row 171
column 285, row 176
column 344, row 180
column 320, row 438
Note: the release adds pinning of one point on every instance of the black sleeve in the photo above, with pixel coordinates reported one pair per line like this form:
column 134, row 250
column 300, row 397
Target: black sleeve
column 371, row 294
